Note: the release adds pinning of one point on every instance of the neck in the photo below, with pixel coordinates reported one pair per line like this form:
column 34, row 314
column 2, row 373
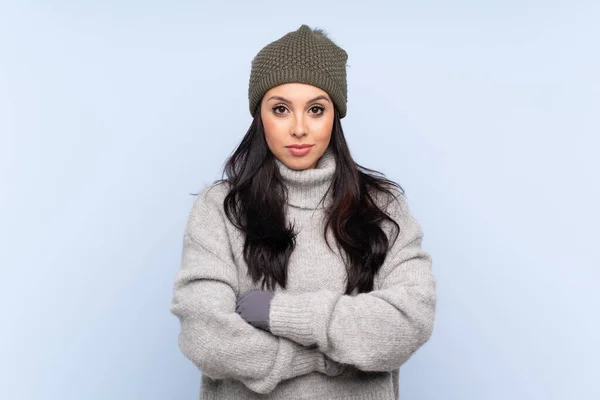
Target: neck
column 306, row 188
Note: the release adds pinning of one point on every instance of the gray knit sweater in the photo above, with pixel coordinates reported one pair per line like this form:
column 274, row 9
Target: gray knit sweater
column 373, row 334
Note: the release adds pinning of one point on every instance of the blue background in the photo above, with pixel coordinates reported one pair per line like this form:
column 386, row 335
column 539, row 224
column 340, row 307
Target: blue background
column 112, row 113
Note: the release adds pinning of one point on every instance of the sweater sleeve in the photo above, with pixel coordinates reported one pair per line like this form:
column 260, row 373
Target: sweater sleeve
column 212, row 335
column 375, row 331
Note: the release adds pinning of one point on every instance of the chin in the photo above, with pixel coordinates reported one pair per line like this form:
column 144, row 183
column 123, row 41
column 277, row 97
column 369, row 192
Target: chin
column 299, row 163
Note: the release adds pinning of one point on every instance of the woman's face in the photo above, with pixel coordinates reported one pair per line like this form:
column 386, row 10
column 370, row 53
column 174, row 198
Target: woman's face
column 297, row 114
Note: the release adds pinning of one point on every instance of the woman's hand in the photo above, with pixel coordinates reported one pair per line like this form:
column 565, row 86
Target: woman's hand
column 254, row 308
column 333, row 368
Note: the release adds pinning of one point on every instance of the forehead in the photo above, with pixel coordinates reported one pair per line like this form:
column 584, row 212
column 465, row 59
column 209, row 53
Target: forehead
column 296, row 91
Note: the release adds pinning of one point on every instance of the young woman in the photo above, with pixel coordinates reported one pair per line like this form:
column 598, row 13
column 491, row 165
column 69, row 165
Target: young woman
column 302, row 273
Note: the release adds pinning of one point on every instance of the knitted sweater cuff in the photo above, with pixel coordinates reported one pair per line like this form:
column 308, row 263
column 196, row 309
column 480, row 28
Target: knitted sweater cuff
column 304, row 317
column 306, row 360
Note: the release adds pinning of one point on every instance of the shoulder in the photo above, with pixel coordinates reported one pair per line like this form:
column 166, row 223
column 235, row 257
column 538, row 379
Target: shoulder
column 396, row 205
column 211, row 196
column 214, row 192
column 207, row 210
column 207, row 225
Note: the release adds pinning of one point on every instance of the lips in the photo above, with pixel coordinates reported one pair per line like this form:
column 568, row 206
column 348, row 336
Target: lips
column 299, row 150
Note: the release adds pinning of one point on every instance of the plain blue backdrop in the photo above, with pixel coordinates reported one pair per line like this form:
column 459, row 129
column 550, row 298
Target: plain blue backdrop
column 112, row 113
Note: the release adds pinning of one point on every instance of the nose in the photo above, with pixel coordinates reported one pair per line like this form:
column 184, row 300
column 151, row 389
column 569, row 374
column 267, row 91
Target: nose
column 299, row 127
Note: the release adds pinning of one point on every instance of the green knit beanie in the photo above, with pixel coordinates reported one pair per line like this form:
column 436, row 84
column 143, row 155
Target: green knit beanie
column 303, row 56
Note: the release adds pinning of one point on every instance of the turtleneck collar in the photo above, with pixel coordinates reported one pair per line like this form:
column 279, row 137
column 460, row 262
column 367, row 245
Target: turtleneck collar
column 307, row 187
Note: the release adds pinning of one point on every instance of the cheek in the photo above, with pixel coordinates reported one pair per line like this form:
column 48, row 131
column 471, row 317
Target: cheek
column 268, row 127
column 322, row 128
column 272, row 128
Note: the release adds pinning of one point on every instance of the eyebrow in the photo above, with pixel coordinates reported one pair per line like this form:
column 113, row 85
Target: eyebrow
column 321, row 97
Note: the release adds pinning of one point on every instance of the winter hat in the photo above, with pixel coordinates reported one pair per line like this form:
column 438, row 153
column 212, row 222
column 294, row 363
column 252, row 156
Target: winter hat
column 302, row 56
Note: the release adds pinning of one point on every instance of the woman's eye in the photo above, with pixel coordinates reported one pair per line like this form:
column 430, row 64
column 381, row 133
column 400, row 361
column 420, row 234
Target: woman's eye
column 317, row 109
column 279, row 109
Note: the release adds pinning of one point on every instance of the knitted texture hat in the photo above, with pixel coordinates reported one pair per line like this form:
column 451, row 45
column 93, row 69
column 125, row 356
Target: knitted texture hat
column 302, row 56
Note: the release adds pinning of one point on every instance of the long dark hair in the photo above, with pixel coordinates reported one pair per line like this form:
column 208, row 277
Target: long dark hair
column 255, row 205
